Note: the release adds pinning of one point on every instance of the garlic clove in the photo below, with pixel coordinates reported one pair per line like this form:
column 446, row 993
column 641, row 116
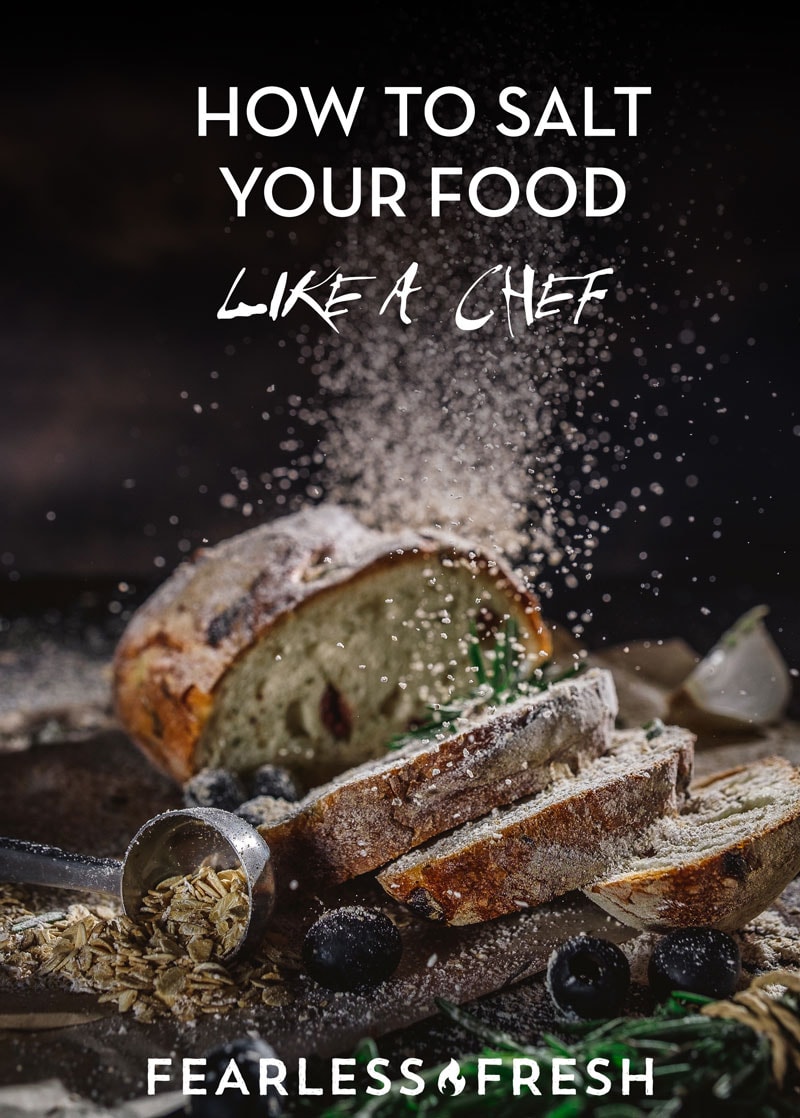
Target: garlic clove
column 743, row 682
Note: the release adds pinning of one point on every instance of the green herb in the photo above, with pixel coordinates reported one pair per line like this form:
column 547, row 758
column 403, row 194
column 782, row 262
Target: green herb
column 501, row 675
column 653, row 729
column 702, row 1066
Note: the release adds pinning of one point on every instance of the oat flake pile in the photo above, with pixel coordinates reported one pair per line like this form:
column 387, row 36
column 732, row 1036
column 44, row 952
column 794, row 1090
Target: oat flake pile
column 169, row 961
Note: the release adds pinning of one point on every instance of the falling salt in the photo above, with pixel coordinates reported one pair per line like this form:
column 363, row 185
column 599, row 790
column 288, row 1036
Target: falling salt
column 489, row 435
column 504, row 439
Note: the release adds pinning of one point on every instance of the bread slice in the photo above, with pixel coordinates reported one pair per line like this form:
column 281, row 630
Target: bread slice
column 380, row 809
column 310, row 642
column 552, row 843
column 732, row 850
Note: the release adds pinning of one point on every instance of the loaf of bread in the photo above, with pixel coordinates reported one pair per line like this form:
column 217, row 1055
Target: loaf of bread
column 310, row 642
column 551, row 843
column 731, row 851
column 380, row 809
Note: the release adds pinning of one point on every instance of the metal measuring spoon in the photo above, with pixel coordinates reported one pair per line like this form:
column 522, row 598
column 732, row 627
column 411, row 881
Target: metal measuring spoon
column 175, row 842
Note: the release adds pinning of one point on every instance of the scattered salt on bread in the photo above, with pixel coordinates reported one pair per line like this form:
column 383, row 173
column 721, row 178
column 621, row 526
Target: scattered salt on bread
column 380, row 809
column 730, row 852
column 551, row 843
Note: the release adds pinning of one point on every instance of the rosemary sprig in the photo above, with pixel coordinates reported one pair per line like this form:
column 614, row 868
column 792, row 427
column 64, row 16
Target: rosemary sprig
column 501, row 675
column 701, row 1066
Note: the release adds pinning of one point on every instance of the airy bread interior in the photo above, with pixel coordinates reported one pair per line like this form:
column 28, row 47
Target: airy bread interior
column 728, row 810
column 724, row 859
column 333, row 681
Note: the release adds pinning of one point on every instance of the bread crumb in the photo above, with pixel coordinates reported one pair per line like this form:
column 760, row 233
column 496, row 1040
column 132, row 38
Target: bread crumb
column 768, row 942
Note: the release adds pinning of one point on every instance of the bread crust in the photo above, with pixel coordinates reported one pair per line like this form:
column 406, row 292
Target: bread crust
column 721, row 889
column 538, row 851
column 180, row 644
column 381, row 809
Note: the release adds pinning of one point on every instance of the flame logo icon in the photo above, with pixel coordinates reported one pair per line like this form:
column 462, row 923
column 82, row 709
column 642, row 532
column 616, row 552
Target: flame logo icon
column 451, row 1081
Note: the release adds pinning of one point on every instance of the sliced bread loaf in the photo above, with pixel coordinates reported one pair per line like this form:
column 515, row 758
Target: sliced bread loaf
column 380, row 809
column 552, row 843
column 732, row 850
column 310, row 642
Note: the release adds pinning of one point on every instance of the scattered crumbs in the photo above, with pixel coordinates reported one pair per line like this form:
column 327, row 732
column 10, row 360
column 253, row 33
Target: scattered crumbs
column 768, row 942
column 638, row 951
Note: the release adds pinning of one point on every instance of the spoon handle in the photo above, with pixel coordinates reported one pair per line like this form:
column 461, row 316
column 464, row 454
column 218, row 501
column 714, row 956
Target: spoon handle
column 32, row 863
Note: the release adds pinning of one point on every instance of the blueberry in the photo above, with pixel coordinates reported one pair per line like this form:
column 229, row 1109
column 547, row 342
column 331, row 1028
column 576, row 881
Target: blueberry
column 696, row 960
column 352, row 947
column 272, row 780
column 588, row 977
column 232, row 1103
column 214, row 788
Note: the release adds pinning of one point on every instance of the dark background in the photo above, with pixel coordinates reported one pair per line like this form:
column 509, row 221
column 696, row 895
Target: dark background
column 118, row 246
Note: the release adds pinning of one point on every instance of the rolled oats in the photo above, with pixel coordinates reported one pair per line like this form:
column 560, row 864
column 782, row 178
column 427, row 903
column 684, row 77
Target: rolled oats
column 170, row 960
